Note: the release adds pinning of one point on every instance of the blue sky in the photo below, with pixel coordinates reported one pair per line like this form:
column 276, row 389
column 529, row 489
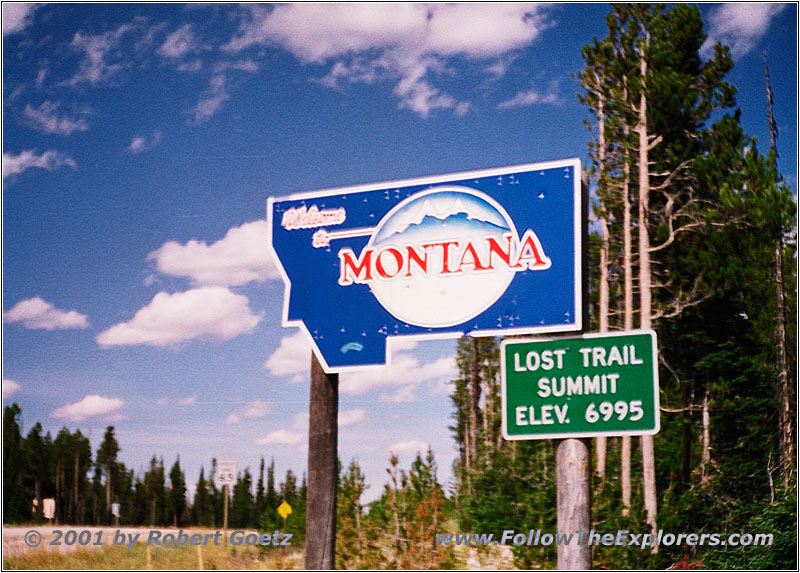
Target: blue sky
column 140, row 144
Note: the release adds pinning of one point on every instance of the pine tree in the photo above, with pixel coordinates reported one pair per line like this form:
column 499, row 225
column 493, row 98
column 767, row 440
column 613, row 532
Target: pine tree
column 259, row 509
column 200, row 503
column 38, row 450
column 242, row 503
column 351, row 543
column 14, row 507
column 177, row 494
column 155, row 488
column 106, row 459
column 270, row 519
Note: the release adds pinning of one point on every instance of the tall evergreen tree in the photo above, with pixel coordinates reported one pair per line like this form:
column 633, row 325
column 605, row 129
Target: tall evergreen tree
column 177, row 494
column 241, row 514
column 15, row 508
column 200, row 504
column 38, row 450
column 106, row 459
column 259, row 508
column 350, row 539
column 155, row 488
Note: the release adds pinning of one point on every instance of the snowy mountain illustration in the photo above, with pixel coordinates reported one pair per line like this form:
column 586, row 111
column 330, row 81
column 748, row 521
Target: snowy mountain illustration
column 443, row 209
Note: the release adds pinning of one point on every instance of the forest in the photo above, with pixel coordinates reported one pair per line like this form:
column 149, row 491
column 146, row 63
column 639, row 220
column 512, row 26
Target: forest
column 692, row 234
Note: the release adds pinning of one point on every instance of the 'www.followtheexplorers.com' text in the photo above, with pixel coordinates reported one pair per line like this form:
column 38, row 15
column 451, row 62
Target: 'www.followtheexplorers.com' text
column 622, row 537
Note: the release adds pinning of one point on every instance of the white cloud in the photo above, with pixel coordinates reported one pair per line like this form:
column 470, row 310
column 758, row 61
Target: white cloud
column 281, row 438
column 257, row 409
column 351, row 417
column 10, row 387
column 402, row 343
column 190, row 66
column 403, row 394
column 292, row 358
column 239, row 65
column 443, row 387
column 91, row 406
column 530, row 97
column 37, row 313
column 140, row 144
column 50, row 160
column 408, row 447
column 40, row 76
column 216, row 95
column 300, row 421
column 238, row 258
column 179, row 43
column 740, row 25
column 405, row 370
column 96, row 65
column 404, row 43
column 45, row 118
column 162, row 401
column 207, row 313
column 17, row 16
column 188, row 400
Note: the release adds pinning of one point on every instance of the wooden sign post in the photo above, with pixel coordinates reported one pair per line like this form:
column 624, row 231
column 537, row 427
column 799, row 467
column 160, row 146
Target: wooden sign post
column 226, row 477
column 225, row 512
column 322, row 468
column 573, row 501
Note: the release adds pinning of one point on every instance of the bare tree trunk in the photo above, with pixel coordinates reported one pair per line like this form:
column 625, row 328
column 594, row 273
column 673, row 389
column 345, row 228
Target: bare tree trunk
column 108, row 488
column 76, row 502
column 648, row 450
column 627, row 266
column 601, row 441
column 39, row 500
column 706, row 457
column 59, row 478
column 785, row 420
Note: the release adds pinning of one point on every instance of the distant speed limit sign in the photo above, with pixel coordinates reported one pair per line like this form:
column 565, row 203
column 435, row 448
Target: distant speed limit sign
column 226, row 473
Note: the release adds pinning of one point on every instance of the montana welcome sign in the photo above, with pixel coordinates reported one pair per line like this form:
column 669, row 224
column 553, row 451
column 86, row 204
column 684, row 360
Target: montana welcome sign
column 482, row 253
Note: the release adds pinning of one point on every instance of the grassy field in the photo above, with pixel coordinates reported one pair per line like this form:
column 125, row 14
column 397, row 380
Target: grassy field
column 142, row 557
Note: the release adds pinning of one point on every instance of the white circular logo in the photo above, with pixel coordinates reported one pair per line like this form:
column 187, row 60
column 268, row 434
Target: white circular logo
column 436, row 256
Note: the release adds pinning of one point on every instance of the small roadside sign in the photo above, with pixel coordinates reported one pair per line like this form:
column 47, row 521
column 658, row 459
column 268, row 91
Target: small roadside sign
column 226, row 473
column 595, row 385
column 284, row 510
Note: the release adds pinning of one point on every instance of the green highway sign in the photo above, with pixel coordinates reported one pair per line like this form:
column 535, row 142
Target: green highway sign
column 595, row 385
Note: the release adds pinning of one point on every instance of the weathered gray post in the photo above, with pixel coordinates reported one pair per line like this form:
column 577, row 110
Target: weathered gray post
column 573, row 455
column 574, row 502
column 322, row 468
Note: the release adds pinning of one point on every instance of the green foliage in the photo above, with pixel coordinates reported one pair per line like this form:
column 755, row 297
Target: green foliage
column 156, row 492
column 399, row 530
column 15, row 508
column 355, row 544
column 717, row 215
column 289, row 492
column 241, row 510
column 177, row 495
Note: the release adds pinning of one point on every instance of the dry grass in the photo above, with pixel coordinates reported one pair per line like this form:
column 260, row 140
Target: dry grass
column 160, row 558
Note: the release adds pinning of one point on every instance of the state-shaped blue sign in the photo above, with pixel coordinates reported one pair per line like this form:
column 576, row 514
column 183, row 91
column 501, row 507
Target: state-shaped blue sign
column 482, row 253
